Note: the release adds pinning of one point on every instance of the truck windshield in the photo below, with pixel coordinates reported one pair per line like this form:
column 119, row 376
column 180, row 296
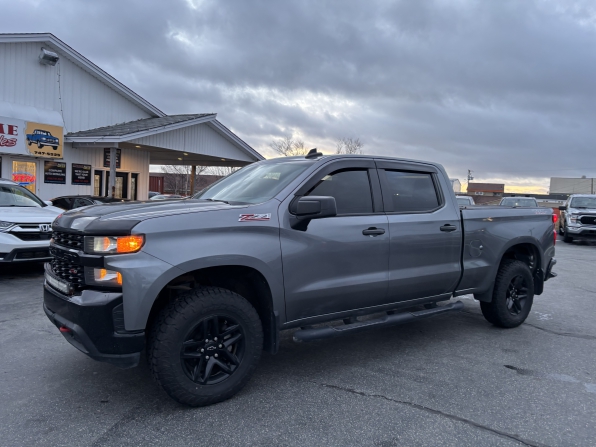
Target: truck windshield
column 583, row 202
column 519, row 202
column 255, row 183
column 15, row 195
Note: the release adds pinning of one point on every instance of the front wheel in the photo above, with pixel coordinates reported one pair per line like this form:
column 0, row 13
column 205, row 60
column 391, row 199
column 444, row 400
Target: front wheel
column 205, row 345
column 40, row 146
column 513, row 295
column 566, row 238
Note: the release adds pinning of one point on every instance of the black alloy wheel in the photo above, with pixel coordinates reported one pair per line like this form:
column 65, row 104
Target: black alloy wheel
column 204, row 345
column 212, row 350
column 513, row 295
column 517, row 295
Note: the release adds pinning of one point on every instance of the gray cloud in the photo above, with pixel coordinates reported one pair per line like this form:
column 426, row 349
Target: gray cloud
column 505, row 88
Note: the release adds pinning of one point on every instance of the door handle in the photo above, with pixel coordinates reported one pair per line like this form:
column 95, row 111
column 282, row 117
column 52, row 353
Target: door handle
column 448, row 227
column 373, row 231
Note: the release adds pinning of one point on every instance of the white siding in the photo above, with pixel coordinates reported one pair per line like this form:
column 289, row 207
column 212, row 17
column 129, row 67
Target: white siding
column 87, row 103
column 199, row 139
column 560, row 185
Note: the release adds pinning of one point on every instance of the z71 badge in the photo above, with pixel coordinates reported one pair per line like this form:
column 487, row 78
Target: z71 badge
column 253, row 217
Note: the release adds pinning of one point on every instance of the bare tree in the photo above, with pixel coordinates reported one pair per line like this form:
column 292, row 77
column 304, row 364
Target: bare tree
column 349, row 146
column 177, row 178
column 220, row 171
column 289, row 147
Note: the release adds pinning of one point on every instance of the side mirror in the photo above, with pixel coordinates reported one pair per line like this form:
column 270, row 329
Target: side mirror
column 562, row 208
column 305, row 208
column 48, row 202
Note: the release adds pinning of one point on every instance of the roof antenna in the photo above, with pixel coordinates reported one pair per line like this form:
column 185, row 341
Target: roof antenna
column 313, row 153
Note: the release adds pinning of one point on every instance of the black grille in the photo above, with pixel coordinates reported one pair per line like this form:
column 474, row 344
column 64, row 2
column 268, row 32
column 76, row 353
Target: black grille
column 37, row 254
column 70, row 240
column 588, row 220
column 32, row 236
column 72, row 273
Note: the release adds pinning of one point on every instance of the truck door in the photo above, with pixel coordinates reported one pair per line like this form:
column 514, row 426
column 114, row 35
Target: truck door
column 425, row 231
column 338, row 263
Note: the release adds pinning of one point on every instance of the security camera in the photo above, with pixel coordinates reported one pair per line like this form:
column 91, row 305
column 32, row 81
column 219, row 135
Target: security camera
column 48, row 57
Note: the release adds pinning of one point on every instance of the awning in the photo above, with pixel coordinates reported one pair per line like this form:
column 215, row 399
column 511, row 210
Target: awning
column 197, row 139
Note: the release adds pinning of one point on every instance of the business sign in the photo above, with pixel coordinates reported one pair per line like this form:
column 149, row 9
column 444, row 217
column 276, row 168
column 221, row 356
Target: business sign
column 106, row 158
column 30, row 138
column 81, row 174
column 54, row 172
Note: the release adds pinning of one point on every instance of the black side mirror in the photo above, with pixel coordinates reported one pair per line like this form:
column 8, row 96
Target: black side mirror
column 305, row 208
column 562, row 208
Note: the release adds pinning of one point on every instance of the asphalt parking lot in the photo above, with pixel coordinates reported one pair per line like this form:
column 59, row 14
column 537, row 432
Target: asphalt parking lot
column 452, row 380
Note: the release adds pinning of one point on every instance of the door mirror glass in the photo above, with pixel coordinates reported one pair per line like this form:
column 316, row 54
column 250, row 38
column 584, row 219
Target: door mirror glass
column 562, row 208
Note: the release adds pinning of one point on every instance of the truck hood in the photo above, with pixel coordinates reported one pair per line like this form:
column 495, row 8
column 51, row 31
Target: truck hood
column 116, row 218
column 28, row 214
column 590, row 211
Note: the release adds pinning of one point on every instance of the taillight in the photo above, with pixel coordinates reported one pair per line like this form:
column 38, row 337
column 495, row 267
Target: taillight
column 555, row 218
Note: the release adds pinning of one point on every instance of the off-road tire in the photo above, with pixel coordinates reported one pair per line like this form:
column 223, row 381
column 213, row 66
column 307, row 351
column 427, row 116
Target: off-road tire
column 496, row 311
column 172, row 327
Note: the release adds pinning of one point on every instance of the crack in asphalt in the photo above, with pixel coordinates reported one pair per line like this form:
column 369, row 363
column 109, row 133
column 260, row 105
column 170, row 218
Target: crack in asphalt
column 550, row 331
column 129, row 416
column 437, row 412
column 563, row 334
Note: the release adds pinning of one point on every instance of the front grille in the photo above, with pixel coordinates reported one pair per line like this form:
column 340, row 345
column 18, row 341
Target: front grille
column 70, row 240
column 32, row 236
column 71, row 273
column 33, row 254
column 588, row 220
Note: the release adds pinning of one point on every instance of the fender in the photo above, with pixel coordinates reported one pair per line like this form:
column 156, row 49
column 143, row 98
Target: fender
column 145, row 276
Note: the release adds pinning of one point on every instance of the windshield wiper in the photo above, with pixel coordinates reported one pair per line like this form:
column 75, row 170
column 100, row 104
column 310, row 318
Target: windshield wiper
column 215, row 200
column 21, row 206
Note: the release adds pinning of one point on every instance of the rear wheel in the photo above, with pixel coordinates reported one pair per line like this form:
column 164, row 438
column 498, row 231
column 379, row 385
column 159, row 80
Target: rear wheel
column 205, row 345
column 513, row 295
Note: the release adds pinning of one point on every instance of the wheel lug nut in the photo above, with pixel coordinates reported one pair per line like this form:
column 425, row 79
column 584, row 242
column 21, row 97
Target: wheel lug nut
column 215, row 339
column 220, row 346
column 202, row 350
column 207, row 357
column 215, row 355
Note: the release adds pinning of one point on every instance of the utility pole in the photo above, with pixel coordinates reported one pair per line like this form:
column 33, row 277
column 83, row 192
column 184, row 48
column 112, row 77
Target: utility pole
column 470, row 175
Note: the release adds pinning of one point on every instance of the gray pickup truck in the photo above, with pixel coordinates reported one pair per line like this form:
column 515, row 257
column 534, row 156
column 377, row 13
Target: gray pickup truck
column 204, row 285
column 578, row 218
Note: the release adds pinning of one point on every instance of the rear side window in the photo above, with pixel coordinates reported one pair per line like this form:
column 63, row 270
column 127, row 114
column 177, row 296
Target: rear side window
column 412, row 191
column 351, row 189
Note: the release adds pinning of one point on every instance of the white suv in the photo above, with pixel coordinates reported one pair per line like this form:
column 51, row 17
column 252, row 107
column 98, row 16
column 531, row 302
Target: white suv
column 25, row 224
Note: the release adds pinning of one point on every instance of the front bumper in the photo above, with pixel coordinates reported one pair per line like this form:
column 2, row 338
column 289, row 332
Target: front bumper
column 13, row 249
column 581, row 232
column 93, row 323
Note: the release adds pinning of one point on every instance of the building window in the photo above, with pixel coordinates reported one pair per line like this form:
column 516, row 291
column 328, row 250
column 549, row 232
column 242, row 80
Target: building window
column 24, row 173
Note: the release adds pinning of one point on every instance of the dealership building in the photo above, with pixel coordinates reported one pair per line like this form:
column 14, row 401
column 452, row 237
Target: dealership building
column 69, row 128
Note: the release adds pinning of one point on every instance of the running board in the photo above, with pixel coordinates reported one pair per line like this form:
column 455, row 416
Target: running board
column 311, row 334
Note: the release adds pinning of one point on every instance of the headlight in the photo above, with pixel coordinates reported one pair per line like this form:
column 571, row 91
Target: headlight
column 102, row 245
column 102, row 277
column 5, row 226
column 573, row 219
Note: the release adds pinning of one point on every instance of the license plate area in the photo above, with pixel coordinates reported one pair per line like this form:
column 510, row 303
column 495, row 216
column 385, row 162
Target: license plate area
column 58, row 284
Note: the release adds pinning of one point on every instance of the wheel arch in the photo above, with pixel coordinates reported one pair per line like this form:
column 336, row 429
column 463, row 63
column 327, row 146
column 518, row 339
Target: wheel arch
column 245, row 280
column 526, row 250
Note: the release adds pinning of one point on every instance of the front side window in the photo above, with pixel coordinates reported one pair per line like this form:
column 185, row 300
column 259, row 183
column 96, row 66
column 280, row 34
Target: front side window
column 412, row 191
column 350, row 188
column 255, row 183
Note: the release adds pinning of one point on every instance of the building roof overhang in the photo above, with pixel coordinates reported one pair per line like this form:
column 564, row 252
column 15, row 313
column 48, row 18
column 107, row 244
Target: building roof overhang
column 126, row 135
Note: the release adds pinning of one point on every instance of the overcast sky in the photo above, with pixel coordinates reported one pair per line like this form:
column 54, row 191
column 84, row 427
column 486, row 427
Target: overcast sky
column 505, row 88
